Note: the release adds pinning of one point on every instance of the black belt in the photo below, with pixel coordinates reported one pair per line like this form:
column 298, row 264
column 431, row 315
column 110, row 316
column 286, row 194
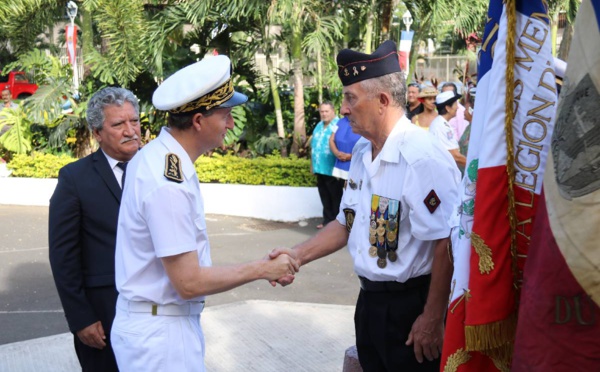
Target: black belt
column 370, row 286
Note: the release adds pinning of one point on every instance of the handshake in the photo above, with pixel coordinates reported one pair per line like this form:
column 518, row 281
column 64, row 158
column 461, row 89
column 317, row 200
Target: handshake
column 280, row 266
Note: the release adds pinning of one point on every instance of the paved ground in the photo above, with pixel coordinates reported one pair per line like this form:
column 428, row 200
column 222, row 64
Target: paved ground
column 303, row 327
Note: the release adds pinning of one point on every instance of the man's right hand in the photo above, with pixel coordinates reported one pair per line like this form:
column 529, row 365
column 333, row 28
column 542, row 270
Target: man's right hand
column 93, row 336
column 289, row 278
column 280, row 266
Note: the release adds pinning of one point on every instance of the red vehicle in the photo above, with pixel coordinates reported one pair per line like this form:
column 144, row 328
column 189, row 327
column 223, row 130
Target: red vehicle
column 19, row 85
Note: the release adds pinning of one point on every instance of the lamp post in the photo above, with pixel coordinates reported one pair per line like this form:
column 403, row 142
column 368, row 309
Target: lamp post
column 71, row 37
column 406, row 43
column 407, row 19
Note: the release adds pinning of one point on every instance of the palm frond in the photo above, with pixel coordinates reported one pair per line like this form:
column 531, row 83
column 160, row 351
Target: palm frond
column 18, row 138
column 46, row 104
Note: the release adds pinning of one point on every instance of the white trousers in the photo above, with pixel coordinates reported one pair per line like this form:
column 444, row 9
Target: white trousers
column 142, row 342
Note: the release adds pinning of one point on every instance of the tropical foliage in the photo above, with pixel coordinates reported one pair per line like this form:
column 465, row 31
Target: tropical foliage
column 138, row 43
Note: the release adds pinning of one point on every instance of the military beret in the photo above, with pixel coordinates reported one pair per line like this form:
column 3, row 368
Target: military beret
column 198, row 87
column 355, row 66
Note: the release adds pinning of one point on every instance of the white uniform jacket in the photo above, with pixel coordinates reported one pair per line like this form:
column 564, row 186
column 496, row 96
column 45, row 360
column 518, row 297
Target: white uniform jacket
column 413, row 169
column 158, row 218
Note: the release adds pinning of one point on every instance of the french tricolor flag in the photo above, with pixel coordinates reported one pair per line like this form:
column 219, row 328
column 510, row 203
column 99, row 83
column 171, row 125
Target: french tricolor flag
column 404, row 50
column 510, row 141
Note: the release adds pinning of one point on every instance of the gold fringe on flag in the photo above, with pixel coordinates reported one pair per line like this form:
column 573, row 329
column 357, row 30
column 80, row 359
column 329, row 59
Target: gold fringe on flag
column 486, row 264
column 486, row 337
column 501, row 357
column 460, row 357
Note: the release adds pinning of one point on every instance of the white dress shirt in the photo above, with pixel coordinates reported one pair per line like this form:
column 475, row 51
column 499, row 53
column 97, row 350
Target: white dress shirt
column 117, row 171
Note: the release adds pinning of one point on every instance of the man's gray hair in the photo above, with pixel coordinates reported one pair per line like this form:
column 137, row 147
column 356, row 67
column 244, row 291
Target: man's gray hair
column 393, row 83
column 107, row 97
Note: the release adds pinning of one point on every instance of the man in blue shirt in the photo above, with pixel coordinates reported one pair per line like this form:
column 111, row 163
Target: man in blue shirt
column 322, row 162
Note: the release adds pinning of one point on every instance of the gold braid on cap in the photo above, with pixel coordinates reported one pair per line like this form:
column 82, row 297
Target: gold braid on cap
column 209, row 100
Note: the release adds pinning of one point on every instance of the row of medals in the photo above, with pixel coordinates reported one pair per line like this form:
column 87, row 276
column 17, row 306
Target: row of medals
column 383, row 232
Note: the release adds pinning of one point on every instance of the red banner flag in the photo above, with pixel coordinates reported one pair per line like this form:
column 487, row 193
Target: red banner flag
column 559, row 317
column 71, row 42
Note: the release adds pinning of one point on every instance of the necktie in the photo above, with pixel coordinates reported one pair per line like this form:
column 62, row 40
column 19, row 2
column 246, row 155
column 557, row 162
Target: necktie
column 123, row 166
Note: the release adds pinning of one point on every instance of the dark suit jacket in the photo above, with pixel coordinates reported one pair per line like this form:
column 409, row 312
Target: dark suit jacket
column 82, row 232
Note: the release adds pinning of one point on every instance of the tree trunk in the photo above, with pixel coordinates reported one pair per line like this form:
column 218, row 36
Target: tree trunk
column 299, row 125
column 87, row 38
column 554, row 31
column 83, row 142
column 370, row 26
column 84, row 145
column 565, row 45
column 319, row 76
column 386, row 19
column 276, row 104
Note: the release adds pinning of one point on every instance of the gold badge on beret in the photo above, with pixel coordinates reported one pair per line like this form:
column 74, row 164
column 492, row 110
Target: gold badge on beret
column 173, row 168
column 432, row 202
column 349, row 213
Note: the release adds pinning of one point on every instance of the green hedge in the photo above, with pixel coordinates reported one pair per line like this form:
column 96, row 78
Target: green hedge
column 271, row 170
column 38, row 165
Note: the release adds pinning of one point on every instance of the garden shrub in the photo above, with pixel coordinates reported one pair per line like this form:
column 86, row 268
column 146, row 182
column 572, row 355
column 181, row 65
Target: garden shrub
column 272, row 170
column 38, row 165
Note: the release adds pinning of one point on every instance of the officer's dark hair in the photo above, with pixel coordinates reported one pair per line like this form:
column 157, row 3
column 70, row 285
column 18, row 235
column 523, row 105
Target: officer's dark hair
column 184, row 121
column 441, row 109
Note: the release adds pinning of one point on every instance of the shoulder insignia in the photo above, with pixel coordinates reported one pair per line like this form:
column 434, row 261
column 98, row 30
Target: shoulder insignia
column 350, row 213
column 173, row 168
column 432, row 202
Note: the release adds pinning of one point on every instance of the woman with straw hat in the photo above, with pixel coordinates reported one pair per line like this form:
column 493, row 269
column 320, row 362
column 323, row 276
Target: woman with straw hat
column 427, row 97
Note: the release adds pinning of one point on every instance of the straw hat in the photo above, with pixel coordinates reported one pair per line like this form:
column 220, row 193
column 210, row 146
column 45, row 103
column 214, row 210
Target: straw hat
column 428, row 92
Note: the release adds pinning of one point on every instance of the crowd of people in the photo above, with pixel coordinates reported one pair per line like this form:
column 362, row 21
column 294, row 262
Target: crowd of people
column 129, row 249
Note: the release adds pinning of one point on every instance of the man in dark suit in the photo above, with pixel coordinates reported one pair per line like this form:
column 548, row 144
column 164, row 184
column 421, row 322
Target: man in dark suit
column 83, row 225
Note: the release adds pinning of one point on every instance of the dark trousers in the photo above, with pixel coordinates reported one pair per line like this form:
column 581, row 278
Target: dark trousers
column 104, row 301
column 382, row 322
column 330, row 192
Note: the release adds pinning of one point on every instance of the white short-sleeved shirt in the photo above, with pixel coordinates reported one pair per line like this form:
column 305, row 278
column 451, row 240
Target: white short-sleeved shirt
column 440, row 129
column 410, row 165
column 158, row 218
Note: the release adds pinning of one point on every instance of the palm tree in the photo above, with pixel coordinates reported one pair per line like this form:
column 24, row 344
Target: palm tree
column 305, row 30
column 555, row 7
column 23, row 21
column 121, row 25
column 263, row 34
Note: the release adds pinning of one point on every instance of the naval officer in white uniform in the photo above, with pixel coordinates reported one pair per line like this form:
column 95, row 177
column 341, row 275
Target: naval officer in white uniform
column 163, row 265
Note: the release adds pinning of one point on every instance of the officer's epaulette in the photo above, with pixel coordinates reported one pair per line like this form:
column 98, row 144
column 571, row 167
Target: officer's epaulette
column 173, row 168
